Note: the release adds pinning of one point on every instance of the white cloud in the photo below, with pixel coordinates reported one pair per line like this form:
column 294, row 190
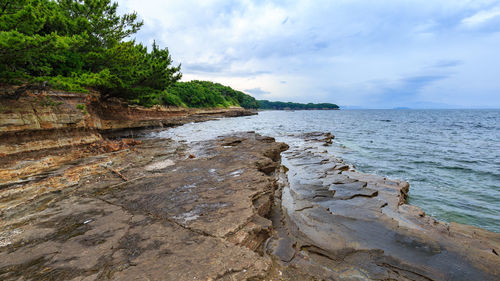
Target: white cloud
column 481, row 17
column 329, row 51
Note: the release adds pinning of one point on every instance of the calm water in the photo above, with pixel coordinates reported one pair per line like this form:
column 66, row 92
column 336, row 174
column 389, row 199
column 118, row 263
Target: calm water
column 450, row 157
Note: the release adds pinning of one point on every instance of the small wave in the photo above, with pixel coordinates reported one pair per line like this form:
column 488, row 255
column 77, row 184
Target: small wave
column 470, row 170
column 466, row 161
column 427, row 162
column 481, row 126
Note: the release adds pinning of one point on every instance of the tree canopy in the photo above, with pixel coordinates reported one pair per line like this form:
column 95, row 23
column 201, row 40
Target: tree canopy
column 76, row 44
column 80, row 44
column 208, row 94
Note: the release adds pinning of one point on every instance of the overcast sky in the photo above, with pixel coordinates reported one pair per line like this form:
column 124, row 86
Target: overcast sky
column 374, row 54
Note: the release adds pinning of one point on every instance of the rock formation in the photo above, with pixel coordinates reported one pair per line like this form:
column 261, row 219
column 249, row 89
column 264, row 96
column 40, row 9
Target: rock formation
column 341, row 224
column 146, row 213
column 75, row 205
column 36, row 119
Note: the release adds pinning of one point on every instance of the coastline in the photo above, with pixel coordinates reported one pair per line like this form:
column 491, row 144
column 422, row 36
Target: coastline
column 357, row 224
column 47, row 119
column 154, row 207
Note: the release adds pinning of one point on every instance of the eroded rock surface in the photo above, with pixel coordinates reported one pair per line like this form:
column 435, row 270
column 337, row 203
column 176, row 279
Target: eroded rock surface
column 223, row 209
column 147, row 213
column 38, row 119
column 341, row 224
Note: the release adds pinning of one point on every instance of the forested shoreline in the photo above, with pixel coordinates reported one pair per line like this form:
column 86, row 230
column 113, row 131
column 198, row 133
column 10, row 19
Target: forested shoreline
column 278, row 105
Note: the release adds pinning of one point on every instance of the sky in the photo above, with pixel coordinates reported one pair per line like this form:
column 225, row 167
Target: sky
column 371, row 54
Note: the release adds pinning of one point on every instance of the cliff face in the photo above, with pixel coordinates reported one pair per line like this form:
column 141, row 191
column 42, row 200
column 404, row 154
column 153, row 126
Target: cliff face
column 40, row 119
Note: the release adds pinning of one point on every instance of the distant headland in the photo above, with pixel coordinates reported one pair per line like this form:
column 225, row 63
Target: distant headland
column 278, row 105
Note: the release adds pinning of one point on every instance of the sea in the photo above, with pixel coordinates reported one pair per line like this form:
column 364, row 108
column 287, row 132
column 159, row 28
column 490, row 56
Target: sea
column 451, row 158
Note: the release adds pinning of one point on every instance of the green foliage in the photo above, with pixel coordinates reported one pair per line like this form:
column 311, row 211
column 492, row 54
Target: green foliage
column 62, row 83
column 98, row 19
column 48, row 101
column 171, row 99
column 207, row 94
column 78, row 44
column 82, row 107
column 157, row 73
column 22, row 56
column 278, row 105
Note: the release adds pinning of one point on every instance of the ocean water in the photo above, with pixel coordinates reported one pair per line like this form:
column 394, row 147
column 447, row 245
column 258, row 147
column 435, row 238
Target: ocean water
column 451, row 158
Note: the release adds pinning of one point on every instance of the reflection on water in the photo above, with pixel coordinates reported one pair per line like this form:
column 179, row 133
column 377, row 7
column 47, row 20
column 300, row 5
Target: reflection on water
column 450, row 157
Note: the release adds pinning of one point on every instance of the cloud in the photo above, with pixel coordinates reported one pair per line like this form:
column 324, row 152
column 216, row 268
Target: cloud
column 481, row 17
column 203, row 68
column 447, row 63
column 257, row 92
column 404, row 91
column 225, row 68
column 409, row 87
column 333, row 51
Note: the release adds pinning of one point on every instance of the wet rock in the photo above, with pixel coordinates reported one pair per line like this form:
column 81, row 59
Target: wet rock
column 350, row 190
column 364, row 230
column 284, row 249
column 325, row 138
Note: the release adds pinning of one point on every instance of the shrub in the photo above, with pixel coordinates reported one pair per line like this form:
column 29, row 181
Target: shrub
column 82, row 107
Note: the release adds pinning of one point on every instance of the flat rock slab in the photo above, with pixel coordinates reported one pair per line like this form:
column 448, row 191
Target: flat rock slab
column 346, row 225
column 149, row 214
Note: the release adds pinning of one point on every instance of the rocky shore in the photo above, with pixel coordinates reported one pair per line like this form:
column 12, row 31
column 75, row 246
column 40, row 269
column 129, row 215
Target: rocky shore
column 155, row 212
column 40, row 119
column 339, row 224
column 239, row 207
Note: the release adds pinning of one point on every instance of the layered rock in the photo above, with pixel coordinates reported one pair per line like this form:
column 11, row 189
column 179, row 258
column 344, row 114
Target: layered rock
column 147, row 212
column 345, row 225
column 35, row 119
column 162, row 210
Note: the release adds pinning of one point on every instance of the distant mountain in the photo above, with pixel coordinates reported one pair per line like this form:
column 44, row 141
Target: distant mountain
column 432, row 105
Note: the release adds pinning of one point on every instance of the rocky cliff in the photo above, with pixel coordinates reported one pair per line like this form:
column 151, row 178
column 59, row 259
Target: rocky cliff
column 35, row 119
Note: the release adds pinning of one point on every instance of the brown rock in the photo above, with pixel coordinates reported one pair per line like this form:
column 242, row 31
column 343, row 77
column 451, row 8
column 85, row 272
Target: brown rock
column 206, row 215
column 131, row 142
column 44, row 119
